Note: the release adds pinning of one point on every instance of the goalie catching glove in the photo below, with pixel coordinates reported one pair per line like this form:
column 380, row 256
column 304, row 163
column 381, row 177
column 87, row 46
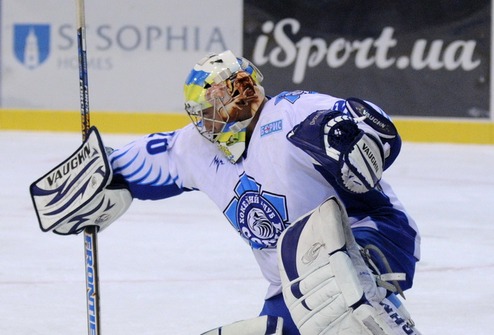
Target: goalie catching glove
column 77, row 193
column 336, row 142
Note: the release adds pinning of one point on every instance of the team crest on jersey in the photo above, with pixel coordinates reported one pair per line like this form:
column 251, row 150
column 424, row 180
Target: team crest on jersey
column 258, row 216
column 291, row 96
column 31, row 44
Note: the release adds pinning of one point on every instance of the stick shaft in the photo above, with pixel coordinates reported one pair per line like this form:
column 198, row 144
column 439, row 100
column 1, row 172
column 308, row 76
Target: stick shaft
column 90, row 233
column 83, row 78
column 92, row 280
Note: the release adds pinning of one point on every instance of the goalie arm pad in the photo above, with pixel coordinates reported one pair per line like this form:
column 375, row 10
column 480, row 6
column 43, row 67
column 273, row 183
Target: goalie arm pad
column 337, row 144
column 77, row 193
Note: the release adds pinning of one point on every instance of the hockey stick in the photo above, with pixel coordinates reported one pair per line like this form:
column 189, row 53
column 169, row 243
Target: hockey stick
column 90, row 232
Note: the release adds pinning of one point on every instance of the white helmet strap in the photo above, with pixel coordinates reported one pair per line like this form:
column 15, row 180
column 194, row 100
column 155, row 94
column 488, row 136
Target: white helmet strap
column 238, row 126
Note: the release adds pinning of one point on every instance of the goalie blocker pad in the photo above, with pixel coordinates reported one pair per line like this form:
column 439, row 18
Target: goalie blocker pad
column 73, row 195
column 101, row 211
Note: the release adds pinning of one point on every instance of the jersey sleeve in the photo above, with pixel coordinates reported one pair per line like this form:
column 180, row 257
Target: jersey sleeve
column 145, row 166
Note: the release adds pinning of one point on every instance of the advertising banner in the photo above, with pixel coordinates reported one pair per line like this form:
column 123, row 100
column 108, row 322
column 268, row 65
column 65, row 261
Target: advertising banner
column 413, row 58
column 139, row 52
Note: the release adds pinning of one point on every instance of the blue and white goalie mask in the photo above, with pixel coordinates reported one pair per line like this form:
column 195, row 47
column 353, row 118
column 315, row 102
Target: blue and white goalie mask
column 222, row 95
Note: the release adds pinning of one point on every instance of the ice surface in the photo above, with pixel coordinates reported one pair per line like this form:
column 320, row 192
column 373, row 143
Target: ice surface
column 176, row 266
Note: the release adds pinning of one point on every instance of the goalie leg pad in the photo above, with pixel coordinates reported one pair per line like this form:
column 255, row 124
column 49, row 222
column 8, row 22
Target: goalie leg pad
column 261, row 325
column 318, row 280
column 326, row 284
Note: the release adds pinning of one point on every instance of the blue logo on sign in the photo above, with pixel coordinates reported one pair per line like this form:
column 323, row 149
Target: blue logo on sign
column 271, row 127
column 31, row 44
column 258, row 216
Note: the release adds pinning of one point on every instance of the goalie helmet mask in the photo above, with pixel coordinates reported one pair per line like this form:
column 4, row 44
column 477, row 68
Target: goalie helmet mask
column 222, row 95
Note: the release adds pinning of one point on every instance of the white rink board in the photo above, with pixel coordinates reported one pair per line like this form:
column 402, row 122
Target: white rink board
column 139, row 52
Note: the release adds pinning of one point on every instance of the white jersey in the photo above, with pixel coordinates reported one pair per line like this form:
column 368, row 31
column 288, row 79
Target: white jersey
column 271, row 186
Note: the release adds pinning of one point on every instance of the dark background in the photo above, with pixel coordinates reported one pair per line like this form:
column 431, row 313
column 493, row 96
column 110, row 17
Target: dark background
column 404, row 92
